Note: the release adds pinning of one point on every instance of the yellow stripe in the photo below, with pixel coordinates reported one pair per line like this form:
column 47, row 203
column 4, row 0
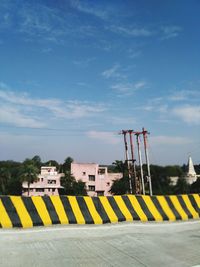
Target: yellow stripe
column 4, row 218
column 42, row 210
column 108, row 209
column 190, row 207
column 152, row 208
column 123, row 208
column 166, row 208
column 197, row 199
column 76, row 210
column 95, row 215
column 22, row 212
column 137, row 208
column 178, row 207
column 59, row 209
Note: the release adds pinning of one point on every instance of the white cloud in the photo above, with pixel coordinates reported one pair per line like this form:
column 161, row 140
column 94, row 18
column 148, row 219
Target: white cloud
column 106, row 137
column 112, row 72
column 169, row 140
column 84, row 63
column 12, row 115
column 129, row 88
column 21, row 105
column 89, row 9
column 170, row 32
column 182, row 95
column 131, row 31
column 189, row 114
column 122, row 120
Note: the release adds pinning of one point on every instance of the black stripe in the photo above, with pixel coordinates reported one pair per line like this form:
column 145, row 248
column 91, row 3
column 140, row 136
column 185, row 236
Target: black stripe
column 184, row 207
column 51, row 210
column 11, row 211
column 32, row 211
column 68, row 209
column 100, row 209
column 145, row 208
column 131, row 208
column 159, row 208
column 116, row 209
column 85, row 211
column 194, row 204
column 173, row 208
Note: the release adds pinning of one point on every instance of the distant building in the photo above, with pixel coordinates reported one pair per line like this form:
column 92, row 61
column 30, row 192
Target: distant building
column 97, row 179
column 190, row 176
column 173, row 180
column 48, row 183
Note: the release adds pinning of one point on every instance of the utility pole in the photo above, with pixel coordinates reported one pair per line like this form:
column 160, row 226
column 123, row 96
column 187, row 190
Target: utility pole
column 147, row 160
column 136, row 180
column 128, row 161
column 140, row 160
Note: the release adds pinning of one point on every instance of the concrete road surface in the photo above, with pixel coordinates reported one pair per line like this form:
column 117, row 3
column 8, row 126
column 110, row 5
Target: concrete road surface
column 125, row 244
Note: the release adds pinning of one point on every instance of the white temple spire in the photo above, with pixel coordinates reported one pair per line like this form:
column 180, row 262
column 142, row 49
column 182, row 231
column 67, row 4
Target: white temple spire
column 191, row 170
column 191, row 176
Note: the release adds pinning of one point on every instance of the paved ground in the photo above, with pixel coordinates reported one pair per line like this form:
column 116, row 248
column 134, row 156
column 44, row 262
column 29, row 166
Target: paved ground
column 124, row 244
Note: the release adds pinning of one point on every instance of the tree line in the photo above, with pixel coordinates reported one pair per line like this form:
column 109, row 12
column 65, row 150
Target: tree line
column 160, row 177
column 13, row 173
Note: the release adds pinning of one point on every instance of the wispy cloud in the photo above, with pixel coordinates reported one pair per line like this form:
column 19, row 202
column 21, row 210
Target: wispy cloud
column 133, row 53
column 119, row 120
column 129, row 88
column 43, row 22
column 169, row 32
column 131, row 31
column 84, row 62
column 112, row 72
column 29, row 110
column 188, row 95
column 188, row 114
column 106, row 137
column 90, row 9
column 14, row 116
column 169, row 140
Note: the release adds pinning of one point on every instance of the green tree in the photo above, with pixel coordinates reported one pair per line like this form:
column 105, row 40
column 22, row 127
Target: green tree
column 5, row 177
column 11, row 184
column 71, row 186
column 52, row 163
column 195, row 187
column 121, row 186
column 29, row 173
column 66, row 167
column 37, row 161
column 181, row 187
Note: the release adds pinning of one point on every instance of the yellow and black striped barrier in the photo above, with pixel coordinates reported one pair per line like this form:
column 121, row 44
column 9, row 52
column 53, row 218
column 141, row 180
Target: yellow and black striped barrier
column 16, row 211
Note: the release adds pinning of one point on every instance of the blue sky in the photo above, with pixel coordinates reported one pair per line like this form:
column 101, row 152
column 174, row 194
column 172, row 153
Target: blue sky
column 75, row 73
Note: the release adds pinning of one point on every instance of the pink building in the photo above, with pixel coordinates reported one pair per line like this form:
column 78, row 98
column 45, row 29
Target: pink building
column 48, row 183
column 98, row 180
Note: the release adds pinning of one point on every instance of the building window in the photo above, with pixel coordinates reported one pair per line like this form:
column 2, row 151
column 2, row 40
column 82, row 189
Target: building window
column 42, row 179
column 53, row 189
column 39, row 189
column 102, row 171
column 91, row 187
column 84, row 173
column 91, row 177
column 108, row 183
column 51, row 181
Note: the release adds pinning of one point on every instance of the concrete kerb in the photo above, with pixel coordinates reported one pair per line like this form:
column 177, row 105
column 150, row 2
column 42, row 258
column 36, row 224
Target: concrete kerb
column 26, row 212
